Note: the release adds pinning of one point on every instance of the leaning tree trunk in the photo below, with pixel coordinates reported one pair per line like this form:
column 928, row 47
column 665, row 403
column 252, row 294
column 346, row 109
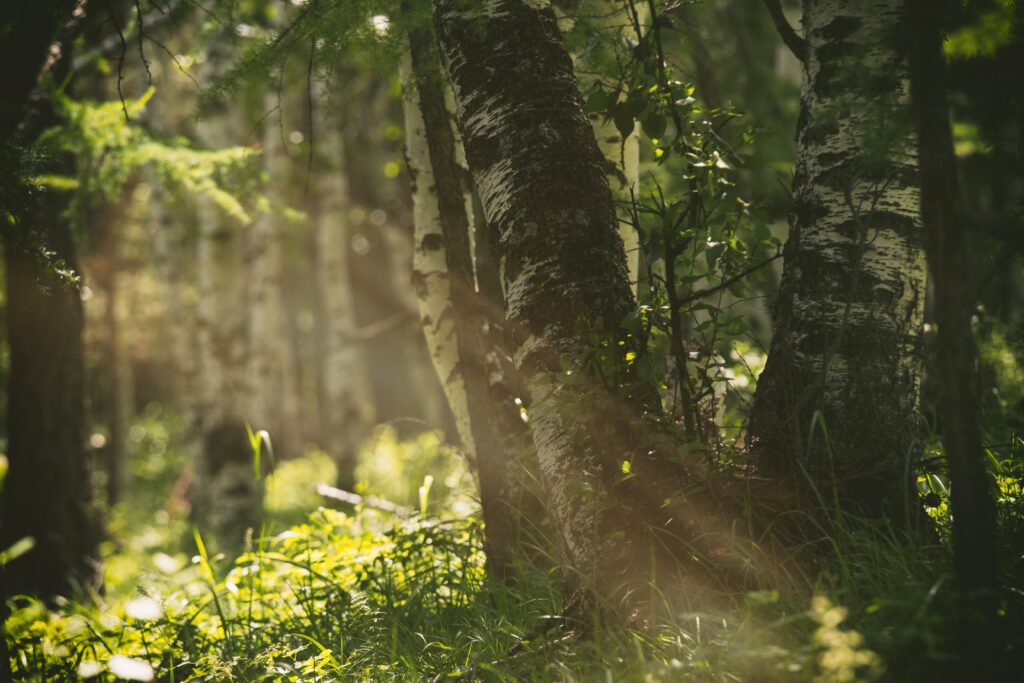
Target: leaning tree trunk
column 837, row 404
column 461, row 330
column 226, row 498
column 541, row 178
column 972, row 506
column 346, row 410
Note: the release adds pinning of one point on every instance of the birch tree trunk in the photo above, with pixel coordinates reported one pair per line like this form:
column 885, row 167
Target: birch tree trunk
column 541, row 179
column 459, row 327
column 267, row 401
column 347, row 413
column 226, row 498
column 846, row 352
column 430, row 266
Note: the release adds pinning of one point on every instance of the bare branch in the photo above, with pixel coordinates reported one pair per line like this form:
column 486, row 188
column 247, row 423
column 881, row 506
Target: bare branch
column 796, row 43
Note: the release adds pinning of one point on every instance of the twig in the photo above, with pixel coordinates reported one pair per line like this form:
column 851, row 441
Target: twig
column 379, row 327
column 142, row 37
column 108, row 44
column 120, row 61
column 701, row 293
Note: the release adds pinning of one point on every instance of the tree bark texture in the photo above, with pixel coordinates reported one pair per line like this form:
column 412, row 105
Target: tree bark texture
column 541, row 179
column 226, row 498
column 430, row 266
column 846, row 351
column 442, row 195
column 347, row 409
column 971, row 492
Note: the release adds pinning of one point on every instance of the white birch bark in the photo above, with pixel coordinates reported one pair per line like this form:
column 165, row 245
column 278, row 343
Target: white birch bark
column 542, row 183
column 347, row 412
column 848, row 319
column 430, row 269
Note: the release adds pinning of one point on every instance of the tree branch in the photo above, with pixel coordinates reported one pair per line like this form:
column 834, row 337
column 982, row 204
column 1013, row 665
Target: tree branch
column 793, row 40
column 701, row 293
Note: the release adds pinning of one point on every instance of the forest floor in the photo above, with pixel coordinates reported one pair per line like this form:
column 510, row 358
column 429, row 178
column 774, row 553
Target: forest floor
column 326, row 594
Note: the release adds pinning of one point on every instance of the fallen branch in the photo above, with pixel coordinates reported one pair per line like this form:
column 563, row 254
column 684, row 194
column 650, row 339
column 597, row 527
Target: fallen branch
column 367, row 501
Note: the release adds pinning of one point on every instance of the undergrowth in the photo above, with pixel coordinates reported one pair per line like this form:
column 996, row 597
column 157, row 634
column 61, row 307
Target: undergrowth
column 358, row 594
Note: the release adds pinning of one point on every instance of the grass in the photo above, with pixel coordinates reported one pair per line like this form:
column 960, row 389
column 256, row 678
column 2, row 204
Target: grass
column 323, row 594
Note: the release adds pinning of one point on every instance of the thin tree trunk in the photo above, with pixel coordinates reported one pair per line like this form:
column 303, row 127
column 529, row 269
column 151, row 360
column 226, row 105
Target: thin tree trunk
column 837, row 404
column 456, row 320
column 166, row 113
column 430, row 266
column 226, row 498
column 347, row 413
column 266, row 402
column 973, row 509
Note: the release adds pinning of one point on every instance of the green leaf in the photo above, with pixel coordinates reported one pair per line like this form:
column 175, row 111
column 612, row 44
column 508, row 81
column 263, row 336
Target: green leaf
column 735, row 327
column 654, row 125
column 597, row 102
column 623, row 120
column 714, row 252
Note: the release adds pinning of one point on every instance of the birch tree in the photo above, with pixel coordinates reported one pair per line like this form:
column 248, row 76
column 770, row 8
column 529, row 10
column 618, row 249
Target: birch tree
column 346, row 413
column 837, row 404
column 430, row 266
column 269, row 399
column 165, row 114
column 541, row 179
column 461, row 330
column 226, row 498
